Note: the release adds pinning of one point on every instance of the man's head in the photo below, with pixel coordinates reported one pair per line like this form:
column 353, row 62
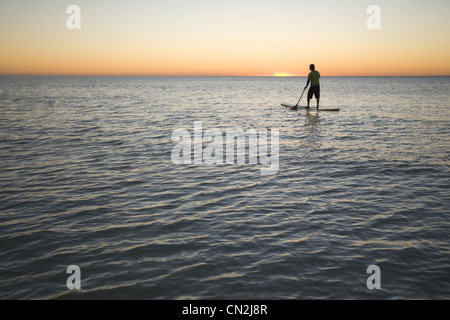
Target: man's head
column 312, row 67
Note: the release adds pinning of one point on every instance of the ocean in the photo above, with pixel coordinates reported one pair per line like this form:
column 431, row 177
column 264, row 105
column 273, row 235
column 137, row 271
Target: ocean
column 90, row 178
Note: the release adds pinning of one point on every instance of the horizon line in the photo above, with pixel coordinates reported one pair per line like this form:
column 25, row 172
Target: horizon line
column 217, row 76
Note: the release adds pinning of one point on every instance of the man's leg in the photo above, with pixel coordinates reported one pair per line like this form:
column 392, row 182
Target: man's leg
column 317, row 95
column 309, row 96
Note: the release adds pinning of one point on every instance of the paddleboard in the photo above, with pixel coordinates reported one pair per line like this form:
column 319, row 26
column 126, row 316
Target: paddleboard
column 312, row 108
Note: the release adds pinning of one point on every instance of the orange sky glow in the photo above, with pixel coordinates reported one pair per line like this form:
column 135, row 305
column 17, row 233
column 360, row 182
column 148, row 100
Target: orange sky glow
column 224, row 38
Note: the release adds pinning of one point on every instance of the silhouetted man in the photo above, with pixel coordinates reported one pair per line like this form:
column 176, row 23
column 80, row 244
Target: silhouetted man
column 313, row 78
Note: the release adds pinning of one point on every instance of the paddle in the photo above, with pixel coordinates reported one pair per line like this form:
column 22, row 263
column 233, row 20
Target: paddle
column 295, row 107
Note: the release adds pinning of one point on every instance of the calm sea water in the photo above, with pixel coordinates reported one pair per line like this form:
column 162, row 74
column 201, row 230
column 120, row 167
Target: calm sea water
column 87, row 179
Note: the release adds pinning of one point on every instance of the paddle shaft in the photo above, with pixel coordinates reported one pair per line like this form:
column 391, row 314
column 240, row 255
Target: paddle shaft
column 301, row 96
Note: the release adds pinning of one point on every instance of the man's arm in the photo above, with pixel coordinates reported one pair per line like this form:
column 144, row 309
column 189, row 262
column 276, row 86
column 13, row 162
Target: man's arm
column 307, row 84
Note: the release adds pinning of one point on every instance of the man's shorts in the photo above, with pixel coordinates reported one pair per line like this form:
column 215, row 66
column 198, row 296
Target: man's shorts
column 314, row 90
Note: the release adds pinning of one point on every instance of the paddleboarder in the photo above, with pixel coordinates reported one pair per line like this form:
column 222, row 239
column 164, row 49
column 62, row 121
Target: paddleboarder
column 314, row 90
column 313, row 78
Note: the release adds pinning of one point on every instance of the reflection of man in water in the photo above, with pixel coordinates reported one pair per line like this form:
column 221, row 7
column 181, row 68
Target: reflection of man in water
column 312, row 121
column 313, row 78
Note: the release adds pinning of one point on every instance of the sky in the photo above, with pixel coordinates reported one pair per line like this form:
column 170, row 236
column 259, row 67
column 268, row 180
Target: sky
column 225, row 38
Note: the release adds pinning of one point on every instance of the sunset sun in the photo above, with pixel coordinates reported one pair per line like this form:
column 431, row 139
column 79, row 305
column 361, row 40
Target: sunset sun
column 282, row 74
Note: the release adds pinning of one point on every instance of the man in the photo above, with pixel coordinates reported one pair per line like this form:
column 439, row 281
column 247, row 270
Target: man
column 313, row 78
